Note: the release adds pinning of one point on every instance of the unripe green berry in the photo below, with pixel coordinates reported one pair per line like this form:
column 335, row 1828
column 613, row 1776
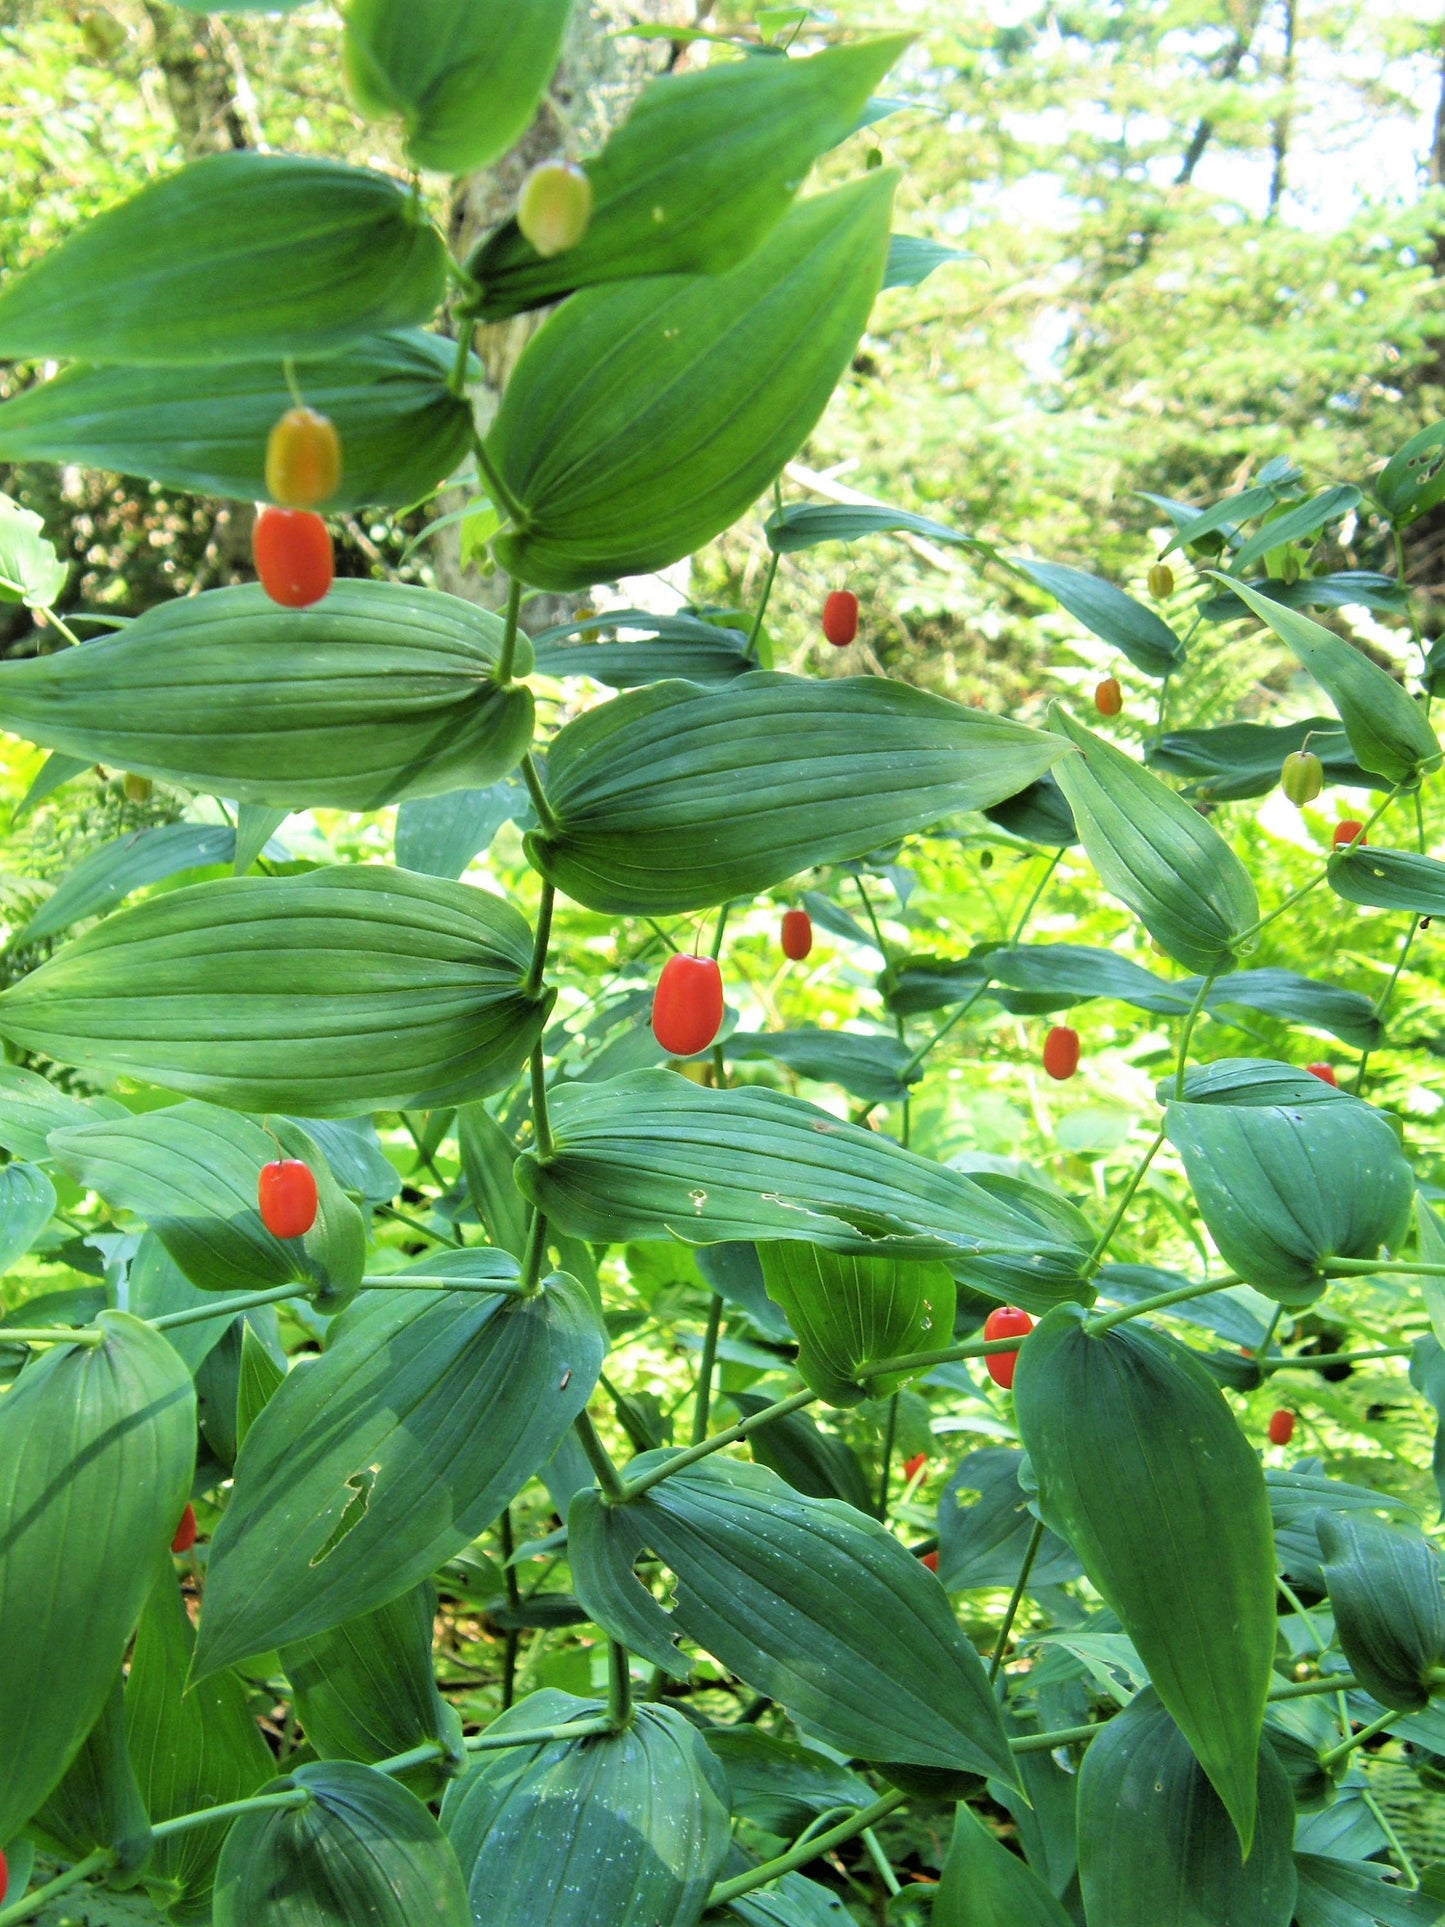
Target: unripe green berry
column 1302, row 777
column 1161, row 582
column 554, row 207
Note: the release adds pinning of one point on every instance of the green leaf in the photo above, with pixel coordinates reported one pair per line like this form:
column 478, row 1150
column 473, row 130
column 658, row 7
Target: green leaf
column 676, row 798
column 109, row 874
column 366, row 989
column 1298, row 524
column 1038, row 813
column 31, row 1108
column 984, row 1543
column 871, row 1065
column 192, row 1748
column 361, row 1849
column 911, row 259
column 1356, row 1893
column 645, row 418
column 155, row 1285
column 701, row 171
column 1143, row 1470
column 425, row 1415
column 631, row 1826
column 30, row 570
column 1389, row 1608
column 790, row 1594
column 54, row 771
column 1298, row 1496
column 367, row 1690
column 1346, row 1014
column 805, row 524
column 651, row 1155
column 257, row 1381
column 849, row 1311
column 1343, row 589
column 1251, row 1081
column 1284, row 1188
column 1234, row 761
column 380, row 691
column 27, row 1199
column 465, row 78
column 438, row 836
column 1226, row 516
column 1389, row 880
column 402, row 429
column 488, row 1156
column 1155, row 853
column 1146, row 639
column 96, row 1451
column 255, row 823
column 191, row 1172
column 1155, row 1843
column 1430, row 1244
column 984, row 1885
column 780, row 1784
column 666, row 646
column 1413, row 480
column 231, row 258
column 816, row 1463
column 1388, row 730
column 98, row 1803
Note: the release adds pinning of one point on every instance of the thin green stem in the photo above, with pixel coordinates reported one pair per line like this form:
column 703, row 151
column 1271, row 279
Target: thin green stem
column 872, row 918
column 634, row 1488
column 508, row 656
column 457, row 380
column 30, row 1904
column 417, row 1756
column 619, row 1686
column 1063, row 1736
column 1324, row 1359
column 541, row 1122
column 534, row 1255
column 1384, row 1000
column 770, row 1870
column 717, row 935
column 1036, row 1539
column 1096, row 1256
column 880, row 1861
column 1299, row 1689
column 1160, row 1301
column 1345, row 1747
column 890, row 1432
column 449, row 1237
column 1407, row 1865
column 226, row 1307
column 757, row 629
column 422, row 1152
column 601, row 1460
column 537, row 1735
column 945, row 1355
column 440, row 1281
column 1188, row 1031
column 532, row 777
column 501, row 494
column 85, row 1335
column 703, row 1409
column 230, row 1810
column 1262, row 1351
column 537, row 968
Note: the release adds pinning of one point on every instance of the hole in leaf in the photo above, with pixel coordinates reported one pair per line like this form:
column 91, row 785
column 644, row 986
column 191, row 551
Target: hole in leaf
column 359, row 1485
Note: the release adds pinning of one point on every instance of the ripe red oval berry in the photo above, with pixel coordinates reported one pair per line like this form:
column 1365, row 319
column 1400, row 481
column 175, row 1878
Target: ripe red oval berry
column 797, row 934
column 1350, row 831
column 1324, row 1072
column 1281, row 1426
column 1109, row 697
column 840, row 618
column 915, row 1464
column 186, row 1531
column 1161, row 582
column 930, row 1559
column 1061, row 1052
column 1302, row 777
column 554, row 207
column 294, row 557
column 4, row 1877
column 287, row 1198
column 687, row 1006
column 1007, row 1322
column 303, row 459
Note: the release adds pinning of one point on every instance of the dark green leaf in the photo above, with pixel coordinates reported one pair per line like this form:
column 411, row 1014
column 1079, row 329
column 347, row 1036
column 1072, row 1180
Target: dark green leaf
column 778, row 1784
column 1355, row 1893
column 438, row 836
column 1146, row 639
column 676, row 798
column 735, row 1272
column 1413, row 480
column 156, row 1285
column 353, row 1150
column 27, row 1199
column 234, row 257
column 984, row 1885
column 1251, row 1081
column 98, row 1803
column 1143, row 1470
column 1345, row 589
column 1388, row 1605
column 259, row 1376
column 816, row 1463
column 54, row 771
column 849, row 1311
column 1346, row 1014
column 1298, row 524
column 805, row 525
column 255, row 825
column 1239, row 1315
column 488, row 1156
column 1233, row 761
column 983, row 1543
column 668, row 646
column 1224, row 517
column 1389, row 880
column 1296, row 1499
column 108, row 875
column 366, row 989
column 1039, row 813
column 871, row 1065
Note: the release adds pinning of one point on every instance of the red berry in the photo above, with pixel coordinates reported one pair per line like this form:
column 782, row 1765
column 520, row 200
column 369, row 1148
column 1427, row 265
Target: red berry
column 4, row 1877
column 1324, row 1072
column 288, row 1198
column 1109, row 697
column 294, row 558
column 186, row 1531
column 840, row 618
column 303, row 459
column 1281, row 1426
column 1349, row 832
column 1061, row 1052
column 1007, row 1322
column 797, row 934
column 687, row 1006
column 930, row 1559
column 915, row 1464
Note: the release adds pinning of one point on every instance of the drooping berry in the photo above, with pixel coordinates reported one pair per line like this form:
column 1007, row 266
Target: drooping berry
column 1007, row 1322
column 797, row 934
column 1109, row 697
column 1302, row 777
column 1161, row 582
column 287, row 1198
column 186, row 1531
column 303, row 460
column 1281, row 1426
column 912, row 1467
column 840, row 618
column 294, row 558
column 687, row 1006
column 1324, row 1072
column 1061, row 1052
column 554, row 207
column 1350, row 831
column 930, row 1559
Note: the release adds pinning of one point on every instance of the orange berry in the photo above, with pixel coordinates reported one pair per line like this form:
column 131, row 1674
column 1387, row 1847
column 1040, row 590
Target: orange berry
column 797, row 934
column 186, row 1531
column 294, row 558
column 1350, row 831
column 303, row 460
column 1281, row 1426
column 840, row 618
column 1109, row 697
column 1061, row 1052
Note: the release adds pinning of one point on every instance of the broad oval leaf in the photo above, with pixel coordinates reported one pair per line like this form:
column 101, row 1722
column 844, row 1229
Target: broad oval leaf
column 779, row 1783
column 97, row 1445
column 1389, row 1608
column 1157, row 1846
column 984, row 1542
column 664, row 647
column 31, row 1108
column 875, row 1065
column 1389, row 879
column 1283, row 1188
column 792, row 1594
column 401, row 427
column 30, row 570
column 813, row 1461
column 1155, row 853
column 849, row 1310
column 629, row 1826
column 234, row 257
column 1146, row 639
column 439, row 835
column 645, row 418
column 676, row 797
column 372, row 1465
column 1232, row 761
column 464, row 75
column 366, row 989
column 1143, row 1470
column 1342, row 589
column 984, row 1885
column 803, row 525
column 1388, row 730
column 1039, row 813
column 652, row 1155
column 107, row 876
column 361, row 1849
column 380, row 691
column 99, row 1803
column 705, row 165
column 27, row 1199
